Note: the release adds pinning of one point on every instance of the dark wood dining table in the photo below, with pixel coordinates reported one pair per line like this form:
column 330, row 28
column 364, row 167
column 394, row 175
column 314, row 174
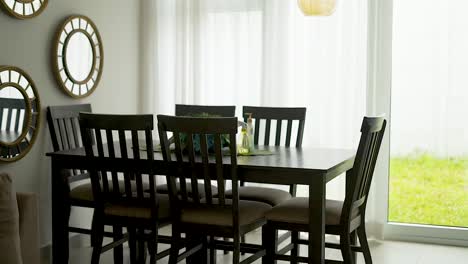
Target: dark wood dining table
column 313, row 167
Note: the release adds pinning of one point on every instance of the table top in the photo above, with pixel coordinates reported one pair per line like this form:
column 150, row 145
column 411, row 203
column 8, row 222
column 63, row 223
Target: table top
column 291, row 162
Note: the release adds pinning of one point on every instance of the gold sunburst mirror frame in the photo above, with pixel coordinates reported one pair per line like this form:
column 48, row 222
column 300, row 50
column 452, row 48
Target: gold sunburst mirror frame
column 23, row 9
column 78, row 56
column 20, row 113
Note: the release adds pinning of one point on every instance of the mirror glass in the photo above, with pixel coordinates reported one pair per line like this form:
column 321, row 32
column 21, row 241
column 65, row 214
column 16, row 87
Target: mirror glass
column 79, row 56
column 13, row 114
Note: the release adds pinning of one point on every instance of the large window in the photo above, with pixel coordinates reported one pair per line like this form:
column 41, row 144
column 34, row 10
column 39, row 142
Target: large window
column 429, row 128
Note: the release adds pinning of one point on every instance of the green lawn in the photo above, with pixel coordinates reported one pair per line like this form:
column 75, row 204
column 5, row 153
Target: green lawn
column 428, row 190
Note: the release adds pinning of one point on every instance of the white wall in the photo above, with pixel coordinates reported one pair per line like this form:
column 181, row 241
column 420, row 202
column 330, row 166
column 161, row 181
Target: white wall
column 27, row 44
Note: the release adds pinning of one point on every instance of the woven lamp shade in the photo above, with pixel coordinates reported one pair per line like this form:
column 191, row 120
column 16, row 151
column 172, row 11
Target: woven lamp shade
column 317, row 7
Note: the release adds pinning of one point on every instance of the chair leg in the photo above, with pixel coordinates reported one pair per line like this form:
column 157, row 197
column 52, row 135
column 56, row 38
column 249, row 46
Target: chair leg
column 361, row 231
column 141, row 246
column 242, row 241
column 269, row 243
column 153, row 245
column 226, row 251
column 132, row 244
column 174, row 251
column 98, row 230
column 353, row 241
column 295, row 250
column 345, row 246
column 212, row 250
column 118, row 251
column 236, row 249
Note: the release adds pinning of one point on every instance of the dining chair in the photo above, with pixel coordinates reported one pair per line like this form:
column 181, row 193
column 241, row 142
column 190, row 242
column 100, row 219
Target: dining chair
column 342, row 218
column 65, row 134
column 289, row 116
column 211, row 216
column 273, row 196
column 120, row 142
column 194, row 110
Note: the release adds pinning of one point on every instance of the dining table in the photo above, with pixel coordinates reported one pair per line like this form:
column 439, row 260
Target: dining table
column 312, row 167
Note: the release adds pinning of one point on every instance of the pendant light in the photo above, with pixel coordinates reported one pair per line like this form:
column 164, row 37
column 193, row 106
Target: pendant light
column 317, row 7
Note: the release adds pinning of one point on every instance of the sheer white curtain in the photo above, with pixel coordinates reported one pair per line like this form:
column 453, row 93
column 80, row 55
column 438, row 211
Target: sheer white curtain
column 260, row 52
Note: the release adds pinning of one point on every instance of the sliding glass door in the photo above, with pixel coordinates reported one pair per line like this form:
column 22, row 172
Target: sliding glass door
column 428, row 176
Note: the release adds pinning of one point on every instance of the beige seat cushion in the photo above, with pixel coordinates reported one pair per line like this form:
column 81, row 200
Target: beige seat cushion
column 84, row 192
column 10, row 246
column 140, row 212
column 164, row 188
column 270, row 196
column 296, row 211
column 249, row 212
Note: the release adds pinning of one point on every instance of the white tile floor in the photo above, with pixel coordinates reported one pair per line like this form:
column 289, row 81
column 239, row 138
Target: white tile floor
column 383, row 252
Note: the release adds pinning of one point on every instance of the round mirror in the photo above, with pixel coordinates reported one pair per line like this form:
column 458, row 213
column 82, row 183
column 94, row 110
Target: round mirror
column 19, row 113
column 80, row 63
column 23, row 9
column 78, row 56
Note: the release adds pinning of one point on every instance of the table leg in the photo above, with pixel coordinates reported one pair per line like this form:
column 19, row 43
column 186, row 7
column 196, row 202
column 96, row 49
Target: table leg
column 317, row 198
column 349, row 181
column 60, row 215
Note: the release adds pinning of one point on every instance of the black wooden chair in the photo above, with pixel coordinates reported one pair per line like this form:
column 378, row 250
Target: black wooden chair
column 211, row 216
column 193, row 110
column 138, row 208
column 342, row 218
column 65, row 134
column 270, row 195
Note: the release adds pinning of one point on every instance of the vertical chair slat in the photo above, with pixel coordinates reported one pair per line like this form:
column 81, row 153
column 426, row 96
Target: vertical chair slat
column 267, row 132
column 257, row 128
column 63, row 134
column 124, row 155
column 288, row 133
column 300, row 133
column 99, row 144
column 69, row 133
column 193, row 174
column 181, row 166
column 219, row 169
column 279, row 123
column 111, row 150
column 206, row 172
column 136, row 155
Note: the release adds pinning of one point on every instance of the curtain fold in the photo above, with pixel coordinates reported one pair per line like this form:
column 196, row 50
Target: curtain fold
column 260, row 52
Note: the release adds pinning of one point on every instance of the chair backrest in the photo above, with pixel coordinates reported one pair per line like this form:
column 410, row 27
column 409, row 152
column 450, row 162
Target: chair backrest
column 218, row 110
column 372, row 132
column 11, row 122
column 64, row 126
column 280, row 114
column 119, row 139
column 210, row 133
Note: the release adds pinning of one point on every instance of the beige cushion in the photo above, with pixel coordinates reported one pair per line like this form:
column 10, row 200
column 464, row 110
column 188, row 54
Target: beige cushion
column 29, row 227
column 10, row 246
column 164, row 188
column 270, row 196
column 249, row 212
column 296, row 211
column 84, row 192
column 140, row 212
